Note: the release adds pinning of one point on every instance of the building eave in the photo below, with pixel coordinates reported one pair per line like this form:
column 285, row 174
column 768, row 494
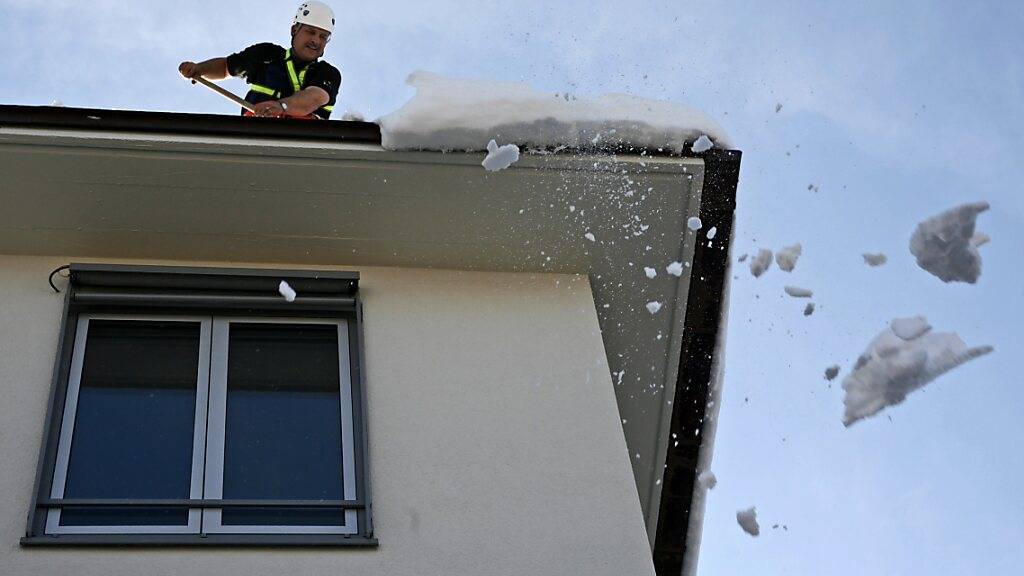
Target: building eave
column 148, row 185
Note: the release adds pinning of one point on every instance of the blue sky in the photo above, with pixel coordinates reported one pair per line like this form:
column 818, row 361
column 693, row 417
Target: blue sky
column 895, row 110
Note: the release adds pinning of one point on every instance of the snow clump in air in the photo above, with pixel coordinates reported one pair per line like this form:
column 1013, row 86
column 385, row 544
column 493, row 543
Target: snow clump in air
column 875, row 259
column 742, row 258
column 910, row 328
column 831, row 372
column 286, row 290
column 650, row 272
column 675, row 269
column 453, row 114
column 761, row 262
column 499, row 158
column 809, row 309
column 711, row 232
column 748, row 521
column 590, row 236
column 707, row 480
column 694, row 223
column 653, row 307
column 942, row 244
column 901, row 359
column 703, row 144
column 797, row 292
column 786, row 258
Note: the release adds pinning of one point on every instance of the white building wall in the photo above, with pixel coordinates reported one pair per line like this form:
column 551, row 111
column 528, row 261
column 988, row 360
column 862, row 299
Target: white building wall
column 495, row 441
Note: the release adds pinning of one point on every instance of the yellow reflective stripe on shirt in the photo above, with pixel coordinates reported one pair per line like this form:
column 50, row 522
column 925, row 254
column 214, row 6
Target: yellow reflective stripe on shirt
column 263, row 90
column 297, row 79
column 328, row 108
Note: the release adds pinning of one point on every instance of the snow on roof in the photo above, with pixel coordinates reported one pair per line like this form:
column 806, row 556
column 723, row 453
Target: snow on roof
column 454, row 114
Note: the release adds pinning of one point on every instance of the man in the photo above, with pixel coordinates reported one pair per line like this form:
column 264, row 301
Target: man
column 291, row 82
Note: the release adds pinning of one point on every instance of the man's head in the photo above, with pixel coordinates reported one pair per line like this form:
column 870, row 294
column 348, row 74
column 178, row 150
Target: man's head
column 311, row 30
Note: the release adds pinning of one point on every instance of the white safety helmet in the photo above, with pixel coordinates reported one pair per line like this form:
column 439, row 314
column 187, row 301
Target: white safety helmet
column 315, row 14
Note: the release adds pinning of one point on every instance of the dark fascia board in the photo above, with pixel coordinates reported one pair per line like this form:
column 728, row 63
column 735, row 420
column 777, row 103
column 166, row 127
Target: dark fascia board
column 226, row 125
column 697, row 362
column 178, row 123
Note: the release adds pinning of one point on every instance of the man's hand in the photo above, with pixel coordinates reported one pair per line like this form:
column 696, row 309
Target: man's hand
column 271, row 109
column 189, row 69
column 212, row 69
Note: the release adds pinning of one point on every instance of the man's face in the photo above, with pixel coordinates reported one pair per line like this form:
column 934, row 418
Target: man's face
column 308, row 42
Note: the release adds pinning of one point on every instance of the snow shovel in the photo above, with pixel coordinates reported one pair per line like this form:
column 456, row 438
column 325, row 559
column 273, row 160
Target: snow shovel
column 250, row 109
column 225, row 93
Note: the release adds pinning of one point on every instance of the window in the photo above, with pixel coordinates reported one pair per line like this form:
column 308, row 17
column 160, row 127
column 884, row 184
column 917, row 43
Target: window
column 200, row 407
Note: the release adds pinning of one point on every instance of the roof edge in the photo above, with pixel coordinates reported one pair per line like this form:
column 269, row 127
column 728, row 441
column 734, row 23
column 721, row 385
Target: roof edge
column 181, row 123
column 187, row 123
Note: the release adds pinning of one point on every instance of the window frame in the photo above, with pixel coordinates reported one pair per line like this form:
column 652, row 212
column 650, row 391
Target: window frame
column 68, row 422
column 98, row 291
column 215, row 434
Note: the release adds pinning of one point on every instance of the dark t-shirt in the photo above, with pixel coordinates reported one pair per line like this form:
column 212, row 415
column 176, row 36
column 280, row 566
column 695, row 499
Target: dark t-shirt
column 264, row 65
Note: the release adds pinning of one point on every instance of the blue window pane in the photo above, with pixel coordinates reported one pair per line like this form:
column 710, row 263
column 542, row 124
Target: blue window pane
column 283, row 422
column 134, row 423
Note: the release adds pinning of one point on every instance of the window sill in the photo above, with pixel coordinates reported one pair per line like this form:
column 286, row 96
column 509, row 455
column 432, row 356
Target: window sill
column 154, row 540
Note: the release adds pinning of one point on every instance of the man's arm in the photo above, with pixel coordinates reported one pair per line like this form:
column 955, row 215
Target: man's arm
column 212, row 69
column 302, row 103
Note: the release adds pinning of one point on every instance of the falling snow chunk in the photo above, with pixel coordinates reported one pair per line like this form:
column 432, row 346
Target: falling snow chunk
column 451, row 114
column 942, row 244
column 499, row 158
column 703, row 144
column 747, row 520
column 742, row 258
column 675, row 269
column 286, row 291
column 572, row 208
column 809, row 309
column 761, row 262
column 831, row 372
column 909, row 328
column 711, row 232
column 590, row 237
column 778, row 107
column 797, row 292
column 653, row 307
column 892, row 367
column 787, row 257
column 694, row 223
column 875, row 259
column 707, row 480
column 651, row 272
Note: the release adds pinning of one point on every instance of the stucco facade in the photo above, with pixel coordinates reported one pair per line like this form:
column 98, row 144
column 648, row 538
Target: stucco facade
column 495, row 441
